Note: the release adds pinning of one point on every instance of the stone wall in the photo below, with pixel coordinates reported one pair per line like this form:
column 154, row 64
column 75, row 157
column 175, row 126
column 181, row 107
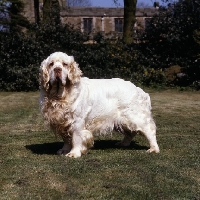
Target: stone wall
column 103, row 19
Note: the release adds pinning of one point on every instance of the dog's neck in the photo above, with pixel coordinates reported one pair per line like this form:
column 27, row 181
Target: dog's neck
column 58, row 91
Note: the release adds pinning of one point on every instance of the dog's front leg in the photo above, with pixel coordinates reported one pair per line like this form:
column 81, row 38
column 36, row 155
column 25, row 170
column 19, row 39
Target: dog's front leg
column 81, row 142
column 66, row 147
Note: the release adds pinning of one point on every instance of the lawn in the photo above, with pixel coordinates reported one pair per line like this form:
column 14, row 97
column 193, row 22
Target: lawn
column 30, row 168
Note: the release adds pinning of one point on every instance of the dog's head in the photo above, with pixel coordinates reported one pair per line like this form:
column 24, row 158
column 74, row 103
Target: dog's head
column 59, row 69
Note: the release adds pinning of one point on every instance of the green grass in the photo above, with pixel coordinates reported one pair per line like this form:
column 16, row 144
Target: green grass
column 30, row 168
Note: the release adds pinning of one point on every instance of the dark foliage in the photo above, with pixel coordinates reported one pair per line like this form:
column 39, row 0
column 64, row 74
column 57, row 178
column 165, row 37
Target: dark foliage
column 22, row 54
column 171, row 39
column 19, row 66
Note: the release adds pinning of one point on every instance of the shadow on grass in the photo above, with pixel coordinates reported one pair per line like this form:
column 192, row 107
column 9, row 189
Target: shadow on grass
column 45, row 148
column 52, row 148
column 111, row 144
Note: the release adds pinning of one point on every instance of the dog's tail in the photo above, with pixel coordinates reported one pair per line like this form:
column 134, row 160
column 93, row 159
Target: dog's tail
column 144, row 98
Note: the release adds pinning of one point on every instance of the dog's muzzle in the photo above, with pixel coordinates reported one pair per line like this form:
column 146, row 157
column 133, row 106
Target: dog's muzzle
column 58, row 73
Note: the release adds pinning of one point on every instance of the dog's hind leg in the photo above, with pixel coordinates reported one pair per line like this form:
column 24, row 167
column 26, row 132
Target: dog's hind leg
column 128, row 136
column 146, row 126
column 149, row 131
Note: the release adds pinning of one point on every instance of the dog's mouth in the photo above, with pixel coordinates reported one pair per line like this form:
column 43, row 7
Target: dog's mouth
column 56, row 88
column 59, row 84
column 58, row 79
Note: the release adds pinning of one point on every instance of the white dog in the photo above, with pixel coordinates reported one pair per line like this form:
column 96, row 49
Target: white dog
column 76, row 108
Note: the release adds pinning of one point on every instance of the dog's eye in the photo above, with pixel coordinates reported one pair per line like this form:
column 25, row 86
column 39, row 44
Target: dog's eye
column 65, row 64
column 51, row 64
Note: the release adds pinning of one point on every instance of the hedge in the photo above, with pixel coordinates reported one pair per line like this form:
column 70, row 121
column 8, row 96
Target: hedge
column 22, row 53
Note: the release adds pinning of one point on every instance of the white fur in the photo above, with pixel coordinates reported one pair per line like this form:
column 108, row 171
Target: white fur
column 76, row 108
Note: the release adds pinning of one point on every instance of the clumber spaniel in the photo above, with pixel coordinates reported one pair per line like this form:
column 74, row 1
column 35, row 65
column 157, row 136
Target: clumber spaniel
column 76, row 108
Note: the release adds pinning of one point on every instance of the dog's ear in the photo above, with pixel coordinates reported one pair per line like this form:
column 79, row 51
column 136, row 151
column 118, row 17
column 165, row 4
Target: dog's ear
column 74, row 72
column 44, row 76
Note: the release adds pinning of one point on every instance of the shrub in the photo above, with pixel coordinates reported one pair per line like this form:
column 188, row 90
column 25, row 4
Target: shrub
column 173, row 40
column 143, row 64
column 19, row 63
column 22, row 54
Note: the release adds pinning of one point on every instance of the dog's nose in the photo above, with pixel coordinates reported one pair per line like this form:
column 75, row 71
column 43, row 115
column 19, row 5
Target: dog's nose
column 57, row 70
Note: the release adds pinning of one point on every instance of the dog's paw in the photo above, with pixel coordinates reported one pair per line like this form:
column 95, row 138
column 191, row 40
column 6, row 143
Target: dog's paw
column 72, row 154
column 62, row 152
column 155, row 150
